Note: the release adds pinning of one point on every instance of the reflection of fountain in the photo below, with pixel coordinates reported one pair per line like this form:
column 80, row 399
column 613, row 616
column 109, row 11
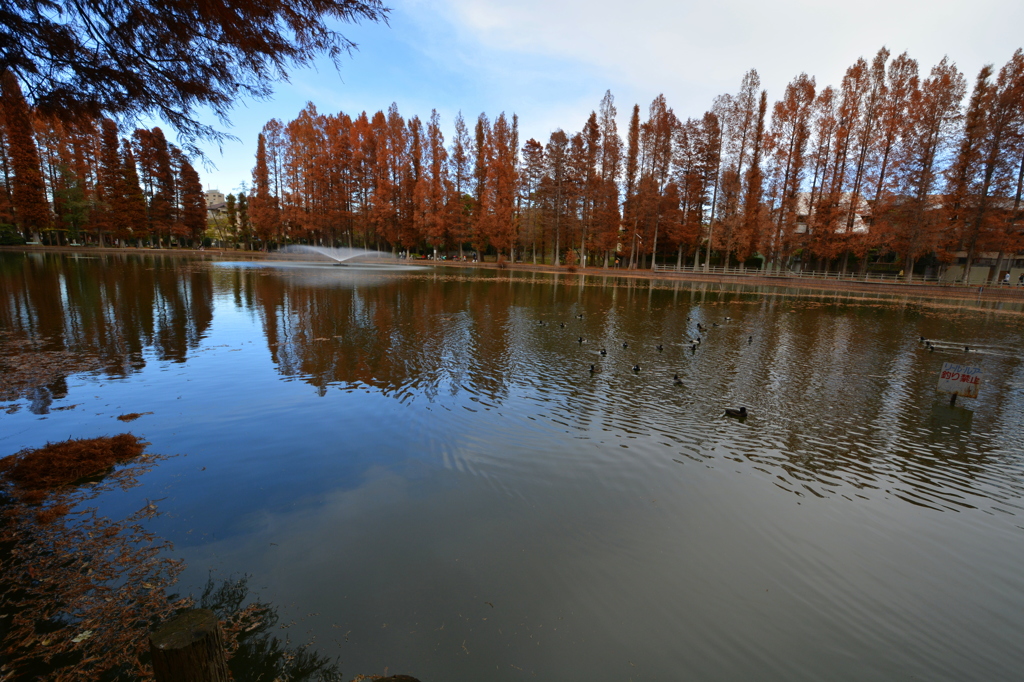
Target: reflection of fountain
column 340, row 255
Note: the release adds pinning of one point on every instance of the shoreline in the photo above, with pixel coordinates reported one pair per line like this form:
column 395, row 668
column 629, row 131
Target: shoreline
column 922, row 290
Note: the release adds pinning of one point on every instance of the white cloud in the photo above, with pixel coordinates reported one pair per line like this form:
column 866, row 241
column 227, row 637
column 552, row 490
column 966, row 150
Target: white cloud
column 551, row 61
column 691, row 50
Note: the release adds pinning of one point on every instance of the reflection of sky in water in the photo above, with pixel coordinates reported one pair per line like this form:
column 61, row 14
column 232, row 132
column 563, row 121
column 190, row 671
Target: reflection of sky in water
column 437, row 476
column 330, row 274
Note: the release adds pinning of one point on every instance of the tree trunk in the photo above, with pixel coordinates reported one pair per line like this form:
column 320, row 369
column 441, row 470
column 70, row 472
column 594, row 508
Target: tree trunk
column 994, row 279
column 654, row 246
column 190, row 646
column 558, row 245
column 970, row 261
column 909, row 273
column 711, row 233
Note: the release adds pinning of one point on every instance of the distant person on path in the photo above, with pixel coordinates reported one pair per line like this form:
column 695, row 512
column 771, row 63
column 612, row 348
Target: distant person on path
column 1006, row 279
column 1020, row 280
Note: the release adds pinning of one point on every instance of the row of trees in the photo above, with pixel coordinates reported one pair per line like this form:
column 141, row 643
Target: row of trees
column 78, row 179
column 891, row 161
column 383, row 181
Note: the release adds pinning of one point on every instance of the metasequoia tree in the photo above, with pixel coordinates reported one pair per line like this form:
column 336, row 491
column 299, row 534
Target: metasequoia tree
column 481, row 149
column 51, row 144
column 91, row 58
column 294, row 178
column 398, row 157
column 834, row 207
column 894, row 119
column 68, row 178
column 824, row 126
column 554, row 185
column 911, row 215
column 263, row 211
column 131, row 205
column 854, row 171
column 655, row 166
column 193, row 203
column 574, row 196
column 6, row 209
column 739, row 116
column 530, row 178
column 498, row 224
column 630, row 212
column 590, row 181
column 459, row 201
column 433, row 187
column 244, row 224
column 340, row 178
column 837, row 206
column 231, row 207
column 107, row 189
column 27, row 189
column 273, row 138
column 1005, row 162
column 787, row 161
column 983, row 171
column 606, row 217
column 378, row 187
column 753, row 215
column 715, row 170
column 107, row 185
column 162, row 210
column 698, row 150
column 411, row 172
column 827, row 174
column 882, row 95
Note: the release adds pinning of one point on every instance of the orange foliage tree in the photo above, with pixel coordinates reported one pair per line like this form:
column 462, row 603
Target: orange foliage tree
column 31, row 212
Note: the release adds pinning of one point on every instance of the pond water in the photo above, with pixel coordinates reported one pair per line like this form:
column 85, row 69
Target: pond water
column 418, row 468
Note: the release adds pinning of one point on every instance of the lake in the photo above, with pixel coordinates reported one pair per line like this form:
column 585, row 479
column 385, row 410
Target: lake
column 418, row 468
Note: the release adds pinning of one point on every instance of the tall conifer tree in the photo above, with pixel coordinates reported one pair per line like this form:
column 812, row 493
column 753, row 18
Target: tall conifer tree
column 28, row 191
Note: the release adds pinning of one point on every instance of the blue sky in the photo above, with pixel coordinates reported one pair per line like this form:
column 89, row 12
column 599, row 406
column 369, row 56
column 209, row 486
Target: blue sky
column 551, row 61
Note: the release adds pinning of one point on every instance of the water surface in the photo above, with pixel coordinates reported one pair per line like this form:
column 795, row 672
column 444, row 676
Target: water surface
column 420, row 469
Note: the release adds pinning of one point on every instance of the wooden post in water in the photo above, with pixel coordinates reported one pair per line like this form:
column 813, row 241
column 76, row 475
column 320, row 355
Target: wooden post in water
column 190, row 647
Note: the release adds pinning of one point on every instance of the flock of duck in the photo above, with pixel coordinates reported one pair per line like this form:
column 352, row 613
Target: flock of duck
column 931, row 347
column 694, row 343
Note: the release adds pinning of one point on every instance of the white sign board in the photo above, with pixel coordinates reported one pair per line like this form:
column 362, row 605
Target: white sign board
column 963, row 380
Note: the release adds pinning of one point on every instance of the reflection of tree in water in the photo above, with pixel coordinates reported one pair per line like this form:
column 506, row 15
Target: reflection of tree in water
column 63, row 315
column 255, row 652
column 80, row 592
column 409, row 337
column 834, row 382
column 394, row 336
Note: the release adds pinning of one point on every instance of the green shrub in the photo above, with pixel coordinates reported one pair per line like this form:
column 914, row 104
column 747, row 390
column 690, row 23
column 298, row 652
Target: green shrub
column 9, row 236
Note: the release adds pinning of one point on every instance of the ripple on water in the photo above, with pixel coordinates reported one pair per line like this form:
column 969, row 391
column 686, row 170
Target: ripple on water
column 854, row 526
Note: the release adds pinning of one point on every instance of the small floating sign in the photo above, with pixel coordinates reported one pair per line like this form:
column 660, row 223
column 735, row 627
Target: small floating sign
column 963, row 380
